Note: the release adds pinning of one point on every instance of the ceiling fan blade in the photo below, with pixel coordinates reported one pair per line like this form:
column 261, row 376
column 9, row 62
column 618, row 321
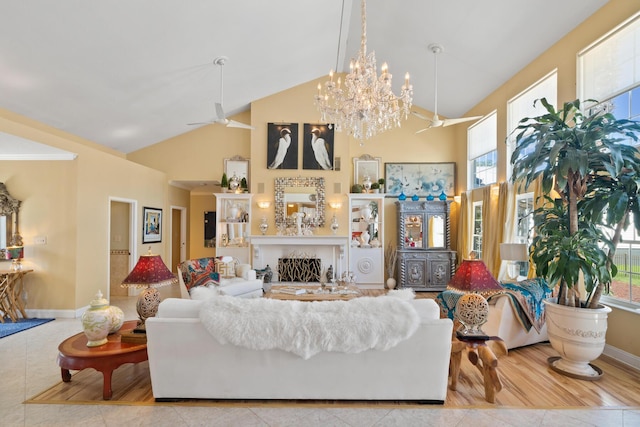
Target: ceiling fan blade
column 449, row 122
column 422, row 130
column 200, row 123
column 234, row 124
column 421, row 116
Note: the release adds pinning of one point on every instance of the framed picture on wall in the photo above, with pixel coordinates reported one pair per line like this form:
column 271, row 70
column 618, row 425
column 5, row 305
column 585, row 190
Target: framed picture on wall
column 238, row 166
column 317, row 150
column 151, row 225
column 422, row 179
column 364, row 166
column 282, row 146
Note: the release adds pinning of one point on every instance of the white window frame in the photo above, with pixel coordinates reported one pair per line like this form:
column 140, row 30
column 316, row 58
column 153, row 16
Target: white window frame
column 476, row 238
column 522, row 105
column 606, row 69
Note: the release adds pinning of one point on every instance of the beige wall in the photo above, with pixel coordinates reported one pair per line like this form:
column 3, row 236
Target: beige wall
column 563, row 57
column 68, row 202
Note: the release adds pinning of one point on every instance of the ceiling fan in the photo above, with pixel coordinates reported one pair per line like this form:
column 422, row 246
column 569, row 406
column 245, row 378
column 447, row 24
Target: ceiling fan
column 220, row 117
column 435, row 121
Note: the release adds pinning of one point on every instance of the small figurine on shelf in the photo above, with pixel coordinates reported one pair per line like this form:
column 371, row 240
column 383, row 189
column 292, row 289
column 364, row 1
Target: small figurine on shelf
column 234, row 183
column 244, row 185
column 367, row 183
column 381, row 182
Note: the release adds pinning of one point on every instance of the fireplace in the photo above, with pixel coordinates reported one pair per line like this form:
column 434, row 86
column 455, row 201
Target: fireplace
column 321, row 252
column 299, row 269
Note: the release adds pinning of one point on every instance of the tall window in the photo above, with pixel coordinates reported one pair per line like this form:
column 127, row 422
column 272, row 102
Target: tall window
column 522, row 105
column 524, row 225
column 476, row 244
column 609, row 71
column 482, row 138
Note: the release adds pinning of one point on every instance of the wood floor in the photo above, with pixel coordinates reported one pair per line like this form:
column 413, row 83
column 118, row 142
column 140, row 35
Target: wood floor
column 527, row 383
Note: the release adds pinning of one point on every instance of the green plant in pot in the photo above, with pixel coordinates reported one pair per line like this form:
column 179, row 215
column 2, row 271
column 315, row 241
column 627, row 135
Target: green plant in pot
column 585, row 165
column 224, row 182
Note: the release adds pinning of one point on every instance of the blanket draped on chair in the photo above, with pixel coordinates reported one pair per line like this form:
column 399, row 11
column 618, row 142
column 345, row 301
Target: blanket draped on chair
column 307, row 328
column 525, row 297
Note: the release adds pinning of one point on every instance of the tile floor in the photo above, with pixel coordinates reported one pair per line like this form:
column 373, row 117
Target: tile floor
column 28, row 366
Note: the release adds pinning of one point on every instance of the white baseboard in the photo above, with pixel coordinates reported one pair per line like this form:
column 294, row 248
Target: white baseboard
column 622, row 356
column 56, row 314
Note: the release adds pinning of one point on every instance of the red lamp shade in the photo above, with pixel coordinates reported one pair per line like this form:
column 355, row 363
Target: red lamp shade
column 474, row 277
column 149, row 271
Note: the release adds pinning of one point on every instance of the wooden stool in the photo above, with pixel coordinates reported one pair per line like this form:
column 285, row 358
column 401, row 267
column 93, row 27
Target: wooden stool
column 483, row 357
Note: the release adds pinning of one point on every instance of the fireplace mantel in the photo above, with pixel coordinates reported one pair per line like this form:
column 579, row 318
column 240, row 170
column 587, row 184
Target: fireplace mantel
column 330, row 249
column 259, row 240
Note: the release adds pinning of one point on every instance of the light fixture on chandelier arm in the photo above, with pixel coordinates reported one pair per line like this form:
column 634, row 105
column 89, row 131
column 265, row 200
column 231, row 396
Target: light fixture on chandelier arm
column 365, row 105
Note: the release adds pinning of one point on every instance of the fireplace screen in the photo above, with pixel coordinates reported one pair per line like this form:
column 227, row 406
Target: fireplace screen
column 299, row 269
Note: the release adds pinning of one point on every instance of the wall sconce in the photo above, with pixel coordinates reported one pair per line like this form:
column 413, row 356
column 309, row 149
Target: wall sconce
column 335, row 205
column 264, row 204
column 457, row 199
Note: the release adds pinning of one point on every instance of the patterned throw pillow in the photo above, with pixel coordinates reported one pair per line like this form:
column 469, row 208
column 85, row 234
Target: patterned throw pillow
column 199, row 272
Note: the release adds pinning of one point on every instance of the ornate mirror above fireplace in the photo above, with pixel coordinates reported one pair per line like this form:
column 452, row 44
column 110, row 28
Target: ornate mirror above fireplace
column 299, row 195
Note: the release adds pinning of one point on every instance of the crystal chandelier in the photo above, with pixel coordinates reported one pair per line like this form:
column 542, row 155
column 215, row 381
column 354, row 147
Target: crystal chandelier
column 366, row 104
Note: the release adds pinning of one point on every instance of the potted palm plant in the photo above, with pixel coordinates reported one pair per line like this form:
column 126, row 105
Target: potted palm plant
column 585, row 165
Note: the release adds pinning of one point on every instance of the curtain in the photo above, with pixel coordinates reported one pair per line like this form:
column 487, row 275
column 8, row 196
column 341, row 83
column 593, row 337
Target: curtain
column 489, row 229
column 507, row 204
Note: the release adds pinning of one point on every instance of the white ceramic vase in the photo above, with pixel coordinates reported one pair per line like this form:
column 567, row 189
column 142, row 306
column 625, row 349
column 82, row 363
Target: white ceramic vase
column 100, row 320
column 578, row 334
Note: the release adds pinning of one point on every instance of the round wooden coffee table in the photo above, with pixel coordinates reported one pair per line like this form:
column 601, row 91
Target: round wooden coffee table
column 75, row 355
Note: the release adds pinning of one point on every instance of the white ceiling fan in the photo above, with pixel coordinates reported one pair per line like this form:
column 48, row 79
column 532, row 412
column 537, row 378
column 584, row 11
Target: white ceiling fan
column 220, row 117
column 435, row 121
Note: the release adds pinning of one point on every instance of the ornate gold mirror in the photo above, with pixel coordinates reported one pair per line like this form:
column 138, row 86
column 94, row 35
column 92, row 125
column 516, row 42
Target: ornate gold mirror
column 9, row 234
column 293, row 195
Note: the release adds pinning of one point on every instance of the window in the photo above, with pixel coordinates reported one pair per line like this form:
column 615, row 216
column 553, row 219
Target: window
column 609, row 71
column 482, row 152
column 524, row 225
column 626, row 285
column 522, row 105
column 476, row 241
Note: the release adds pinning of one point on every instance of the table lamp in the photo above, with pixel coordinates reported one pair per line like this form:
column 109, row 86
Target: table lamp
column 513, row 253
column 474, row 279
column 15, row 253
column 151, row 273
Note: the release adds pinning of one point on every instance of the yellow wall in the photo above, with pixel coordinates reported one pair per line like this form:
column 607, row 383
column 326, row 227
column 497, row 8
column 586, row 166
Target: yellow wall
column 563, row 56
column 68, row 202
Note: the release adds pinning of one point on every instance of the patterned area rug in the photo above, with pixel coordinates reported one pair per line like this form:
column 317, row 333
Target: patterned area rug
column 9, row 328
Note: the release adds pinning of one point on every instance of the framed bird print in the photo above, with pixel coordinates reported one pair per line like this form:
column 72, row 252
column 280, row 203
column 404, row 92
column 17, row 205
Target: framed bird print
column 317, row 149
column 282, row 146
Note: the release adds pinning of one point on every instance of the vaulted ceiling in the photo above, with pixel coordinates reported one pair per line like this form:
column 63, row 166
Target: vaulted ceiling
column 128, row 74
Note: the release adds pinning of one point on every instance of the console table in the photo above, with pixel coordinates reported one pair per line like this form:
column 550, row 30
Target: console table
column 11, row 286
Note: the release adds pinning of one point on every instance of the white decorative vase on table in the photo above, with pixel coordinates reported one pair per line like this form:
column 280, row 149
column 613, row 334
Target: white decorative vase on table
column 578, row 334
column 391, row 283
column 100, row 320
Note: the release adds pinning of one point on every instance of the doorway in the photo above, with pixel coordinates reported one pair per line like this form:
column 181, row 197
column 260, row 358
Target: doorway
column 122, row 243
column 178, row 236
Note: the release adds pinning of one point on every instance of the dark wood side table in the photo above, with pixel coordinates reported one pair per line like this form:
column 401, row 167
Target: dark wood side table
column 75, row 355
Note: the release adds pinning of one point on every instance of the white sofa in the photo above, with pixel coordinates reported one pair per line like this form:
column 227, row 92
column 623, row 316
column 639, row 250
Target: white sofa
column 185, row 361
column 504, row 323
column 203, row 272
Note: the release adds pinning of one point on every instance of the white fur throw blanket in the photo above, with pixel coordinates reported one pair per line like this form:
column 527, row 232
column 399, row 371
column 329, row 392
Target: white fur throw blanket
column 307, row 328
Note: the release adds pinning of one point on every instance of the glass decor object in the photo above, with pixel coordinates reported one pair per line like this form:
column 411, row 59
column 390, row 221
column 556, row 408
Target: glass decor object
column 334, row 224
column 442, row 196
column 364, row 105
column 430, row 197
column 264, row 226
column 402, row 196
column 367, row 183
column 415, row 198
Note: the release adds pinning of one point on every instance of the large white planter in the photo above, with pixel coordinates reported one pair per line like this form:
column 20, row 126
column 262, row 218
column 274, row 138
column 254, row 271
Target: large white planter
column 578, row 334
